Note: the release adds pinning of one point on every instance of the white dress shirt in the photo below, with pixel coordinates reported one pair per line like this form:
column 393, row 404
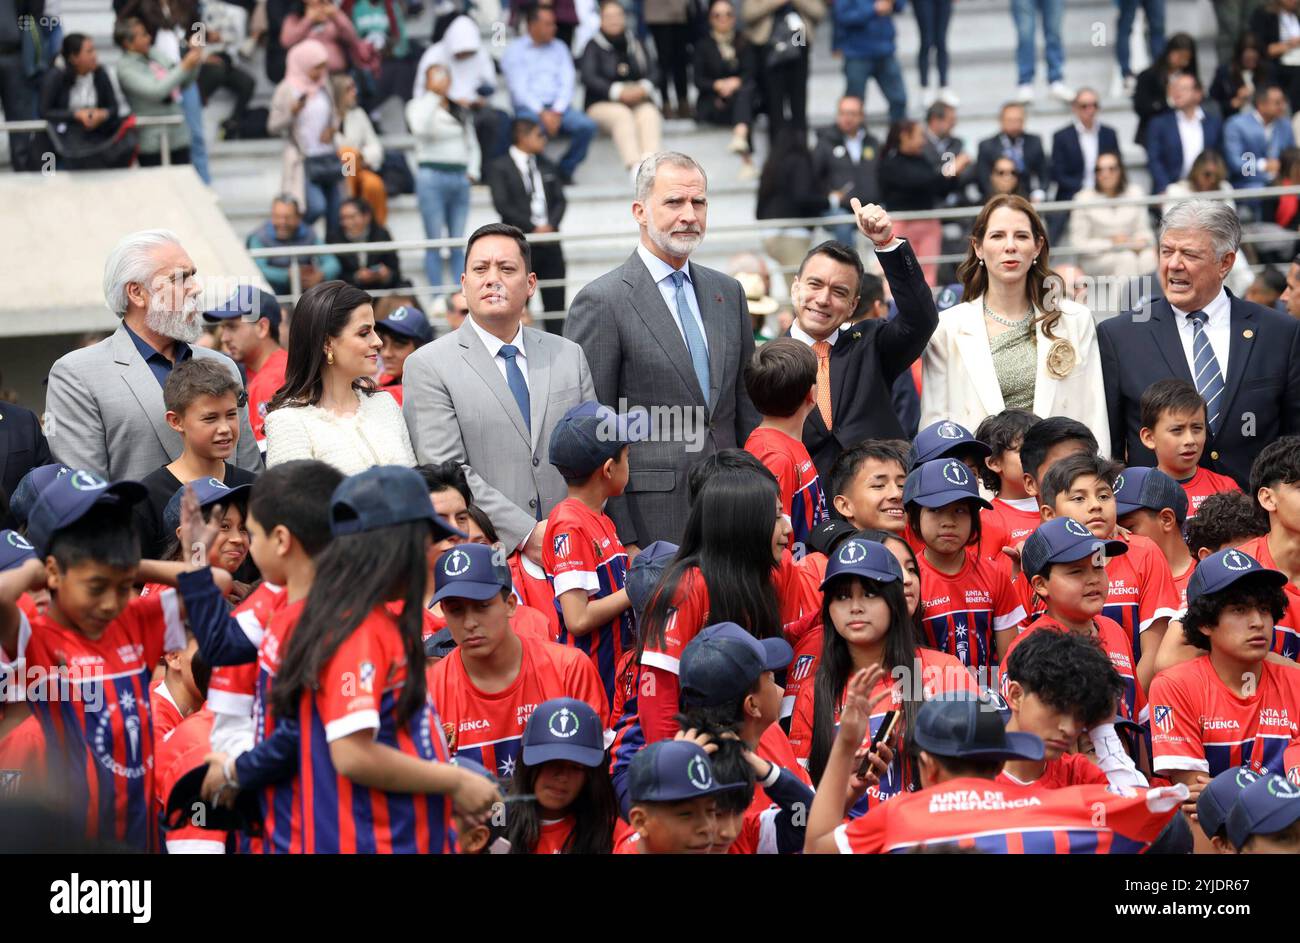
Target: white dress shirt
column 661, row 272
column 1090, row 144
column 1218, row 329
column 527, row 165
column 854, row 144
column 1192, row 136
column 494, row 345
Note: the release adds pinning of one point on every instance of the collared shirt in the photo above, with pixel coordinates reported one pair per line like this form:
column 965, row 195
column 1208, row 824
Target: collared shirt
column 1191, row 133
column 532, row 176
column 1090, row 144
column 157, row 363
column 803, row 336
column 1218, row 329
column 854, row 144
column 1013, row 148
column 494, row 345
column 661, row 272
column 539, row 77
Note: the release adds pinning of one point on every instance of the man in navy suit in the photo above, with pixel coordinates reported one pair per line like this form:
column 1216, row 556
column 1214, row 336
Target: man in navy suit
column 1175, row 137
column 1075, row 149
column 1243, row 358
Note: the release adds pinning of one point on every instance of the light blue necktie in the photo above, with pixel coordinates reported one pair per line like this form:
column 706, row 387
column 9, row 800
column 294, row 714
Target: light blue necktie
column 694, row 339
column 1205, row 368
column 515, row 380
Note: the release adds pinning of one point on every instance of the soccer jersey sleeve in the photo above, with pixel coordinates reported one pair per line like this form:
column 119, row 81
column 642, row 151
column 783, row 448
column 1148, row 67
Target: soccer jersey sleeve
column 351, row 684
column 568, row 556
column 801, row 723
column 685, row 620
column 1176, row 742
column 865, row 835
column 1008, row 610
column 1158, row 597
column 155, row 621
column 783, row 467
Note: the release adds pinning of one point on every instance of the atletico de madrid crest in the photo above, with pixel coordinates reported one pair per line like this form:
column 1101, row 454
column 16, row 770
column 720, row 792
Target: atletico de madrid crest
column 560, row 545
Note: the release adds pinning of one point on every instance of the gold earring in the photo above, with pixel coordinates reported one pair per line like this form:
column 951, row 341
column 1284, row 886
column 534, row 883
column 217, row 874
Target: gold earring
column 329, row 356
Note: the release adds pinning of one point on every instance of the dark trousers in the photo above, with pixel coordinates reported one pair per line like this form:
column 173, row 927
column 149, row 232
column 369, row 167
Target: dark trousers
column 16, row 102
column 673, row 44
column 548, row 263
column 738, row 109
column 180, row 155
column 785, row 91
column 225, row 74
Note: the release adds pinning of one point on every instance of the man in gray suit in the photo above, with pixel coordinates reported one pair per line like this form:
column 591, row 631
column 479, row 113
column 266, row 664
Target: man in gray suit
column 670, row 336
column 104, row 405
column 488, row 394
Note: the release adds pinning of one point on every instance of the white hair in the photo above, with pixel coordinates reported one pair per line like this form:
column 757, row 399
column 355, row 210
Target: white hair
column 1214, row 217
column 645, row 174
column 133, row 260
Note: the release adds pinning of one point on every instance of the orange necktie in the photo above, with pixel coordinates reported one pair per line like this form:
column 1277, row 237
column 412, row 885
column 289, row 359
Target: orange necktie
column 823, row 351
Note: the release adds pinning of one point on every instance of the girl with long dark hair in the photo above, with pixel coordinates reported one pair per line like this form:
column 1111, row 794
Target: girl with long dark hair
column 329, row 408
column 563, row 768
column 865, row 604
column 352, row 675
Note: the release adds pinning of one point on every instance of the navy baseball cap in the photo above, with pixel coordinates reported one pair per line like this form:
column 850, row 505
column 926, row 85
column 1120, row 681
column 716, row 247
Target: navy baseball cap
column 440, row 644
column 673, row 771
column 564, row 728
column 248, row 301
column 723, row 662
column 407, row 322
column 964, row 725
column 470, row 571
column 1063, row 540
column 940, row 439
column 1137, row 488
column 644, row 572
column 1220, row 795
column 1220, row 570
column 827, row 535
column 28, row 490
column 858, row 556
column 15, row 550
column 209, row 491
column 941, row 482
column 1268, row 805
column 68, row 498
column 382, row 496
column 589, row 434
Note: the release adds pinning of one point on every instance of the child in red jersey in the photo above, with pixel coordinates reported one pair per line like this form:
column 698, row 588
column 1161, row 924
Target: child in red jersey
column 1013, row 506
column 180, row 692
column 1232, row 707
column 781, row 379
column 868, row 626
column 353, row 675
column 1048, row 441
column 971, row 608
column 674, row 800
column 94, row 652
column 1140, row 595
column 581, row 553
column 487, row 688
column 562, row 768
column 1174, row 428
column 945, row 439
column 1229, row 519
column 404, row 331
column 1149, row 503
column 866, row 484
column 228, row 548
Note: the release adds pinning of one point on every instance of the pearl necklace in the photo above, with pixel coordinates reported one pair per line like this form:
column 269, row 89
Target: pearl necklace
column 988, row 312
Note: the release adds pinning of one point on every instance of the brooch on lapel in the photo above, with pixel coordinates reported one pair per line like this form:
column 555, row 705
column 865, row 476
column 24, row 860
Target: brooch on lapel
column 856, row 334
column 1060, row 359
column 717, row 299
column 1248, row 333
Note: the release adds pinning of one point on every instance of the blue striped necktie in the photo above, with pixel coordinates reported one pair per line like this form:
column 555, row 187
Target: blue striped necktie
column 1205, row 370
column 691, row 331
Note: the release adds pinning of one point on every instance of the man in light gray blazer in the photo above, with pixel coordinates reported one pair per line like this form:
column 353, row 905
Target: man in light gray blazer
column 104, row 407
column 489, row 394
column 672, row 337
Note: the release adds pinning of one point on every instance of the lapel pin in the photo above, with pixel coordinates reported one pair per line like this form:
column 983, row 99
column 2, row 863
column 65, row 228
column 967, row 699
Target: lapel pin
column 1248, row 333
column 717, row 299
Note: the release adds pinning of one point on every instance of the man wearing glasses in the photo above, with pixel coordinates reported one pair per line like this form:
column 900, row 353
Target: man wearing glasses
column 1075, row 149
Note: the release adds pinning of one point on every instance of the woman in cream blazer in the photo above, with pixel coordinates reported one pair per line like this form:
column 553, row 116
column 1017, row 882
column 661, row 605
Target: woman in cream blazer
column 1051, row 366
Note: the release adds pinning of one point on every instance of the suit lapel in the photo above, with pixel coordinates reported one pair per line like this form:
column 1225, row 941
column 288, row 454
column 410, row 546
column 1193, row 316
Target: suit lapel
column 5, row 443
column 649, row 306
column 144, row 386
column 1164, row 329
column 536, row 349
column 709, row 298
column 1241, row 321
column 841, row 350
column 477, row 359
column 977, row 356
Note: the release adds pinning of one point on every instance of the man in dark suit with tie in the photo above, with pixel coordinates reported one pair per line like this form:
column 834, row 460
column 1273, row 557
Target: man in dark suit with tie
column 856, row 367
column 22, row 448
column 1176, row 137
column 671, row 336
column 1075, row 149
column 527, row 194
column 1025, row 149
column 1243, row 358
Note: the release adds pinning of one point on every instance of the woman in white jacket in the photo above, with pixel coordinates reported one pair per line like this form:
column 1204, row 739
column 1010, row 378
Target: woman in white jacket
column 1116, row 240
column 1014, row 341
column 447, row 151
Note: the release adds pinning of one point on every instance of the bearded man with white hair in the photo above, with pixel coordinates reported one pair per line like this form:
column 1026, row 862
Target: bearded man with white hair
column 664, row 333
column 104, row 406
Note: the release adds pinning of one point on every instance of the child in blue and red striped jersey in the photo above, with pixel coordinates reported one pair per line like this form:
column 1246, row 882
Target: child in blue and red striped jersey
column 581, row 553
column 353, row 675
column 946, row 439
column 781, row 379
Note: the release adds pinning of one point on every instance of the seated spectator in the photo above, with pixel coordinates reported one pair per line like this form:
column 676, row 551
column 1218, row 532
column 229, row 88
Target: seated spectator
column 1151, row 95
column 726, row 81
column 219, row 69
column 1025, row 149
column 359, row 148
column 381, row 24
column 618, row 76
column 153, row 89
column 789, row 188
column 1209, row 172
column 473, row 82
column 366, row 270
column 324, row 22
column 670, row 24
column 1116, row 240
column 540, row 74
column 864, row 34
column 910, row 182
column 1075, row 149
column 1005, row 178
column 286, row 228
column 1235, row 82
column 81, row 106
column 845, row 162
column 1254, row 138
column 1278, row 30
column 446, row 149
column 1287, row 213
column 302, row 110
column 1176, row 136
column 1267, row 288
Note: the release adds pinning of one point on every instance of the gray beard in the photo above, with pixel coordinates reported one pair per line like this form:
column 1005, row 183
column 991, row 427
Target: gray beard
column 178, row 325
column 678, row 246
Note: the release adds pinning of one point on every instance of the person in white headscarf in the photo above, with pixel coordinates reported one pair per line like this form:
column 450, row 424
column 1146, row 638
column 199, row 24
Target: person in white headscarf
column 473, row 81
